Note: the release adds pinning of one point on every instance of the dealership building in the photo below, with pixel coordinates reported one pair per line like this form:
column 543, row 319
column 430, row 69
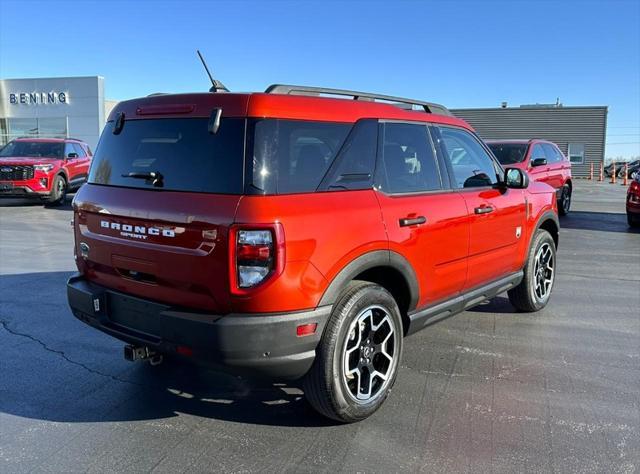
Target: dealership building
column 578, row 131
column 53, row 107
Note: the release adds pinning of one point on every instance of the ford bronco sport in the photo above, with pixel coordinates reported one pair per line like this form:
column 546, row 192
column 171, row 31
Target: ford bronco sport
column 292, row 235
column 542, row 160
column 43, row 168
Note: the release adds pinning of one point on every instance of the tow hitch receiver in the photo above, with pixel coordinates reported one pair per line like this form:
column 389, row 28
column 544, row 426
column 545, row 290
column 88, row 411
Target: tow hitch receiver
column 134, row 353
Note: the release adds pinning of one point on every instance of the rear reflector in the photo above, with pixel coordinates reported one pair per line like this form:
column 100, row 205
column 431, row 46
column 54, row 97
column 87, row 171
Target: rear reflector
column 306, row 329
column 184, row 351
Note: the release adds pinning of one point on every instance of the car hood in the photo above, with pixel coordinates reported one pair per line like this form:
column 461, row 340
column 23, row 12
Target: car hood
column 27, row 160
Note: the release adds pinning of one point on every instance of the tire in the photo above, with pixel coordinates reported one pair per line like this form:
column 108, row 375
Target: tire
column 335, row 385
column 58, row 191
column 632, row 220
column 528, row 295
column 564, row 203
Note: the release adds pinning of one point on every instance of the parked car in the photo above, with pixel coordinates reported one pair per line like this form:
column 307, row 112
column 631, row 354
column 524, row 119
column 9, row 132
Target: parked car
column 43, row 168
column 633, row 203
column 608, row 170
column 287, row 235
column 544, row 162
column 632, row 169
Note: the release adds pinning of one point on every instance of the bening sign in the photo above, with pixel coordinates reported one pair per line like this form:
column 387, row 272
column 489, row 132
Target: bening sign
column 37, row 98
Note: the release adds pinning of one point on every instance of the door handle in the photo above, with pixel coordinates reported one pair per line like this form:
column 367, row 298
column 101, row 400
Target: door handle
column 483, row 209
column 407, row 221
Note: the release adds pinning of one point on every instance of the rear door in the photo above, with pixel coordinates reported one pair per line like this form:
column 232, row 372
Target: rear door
column 156, row 211
column 426, row 222
column 538, row 173
column 496, row 215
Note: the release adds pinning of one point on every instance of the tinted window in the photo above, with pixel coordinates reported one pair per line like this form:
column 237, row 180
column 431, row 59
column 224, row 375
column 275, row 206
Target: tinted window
column 408, row 163
column 68, row 148
column 553, row 155
column 292, row 156
column 355, row 163
column 79, row 150
column 33, row 149
column 187, row 156
column 538, row 152
column 509, row 153
column 472, row 165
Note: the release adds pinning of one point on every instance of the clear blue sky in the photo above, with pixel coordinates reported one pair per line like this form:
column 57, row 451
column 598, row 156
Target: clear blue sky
column 462, row 54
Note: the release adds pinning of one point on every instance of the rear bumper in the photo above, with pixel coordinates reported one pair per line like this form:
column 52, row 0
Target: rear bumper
column 262, row 345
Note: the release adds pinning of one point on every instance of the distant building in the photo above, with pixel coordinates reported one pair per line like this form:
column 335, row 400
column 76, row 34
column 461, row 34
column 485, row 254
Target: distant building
column 56, row 107
column 578, row 131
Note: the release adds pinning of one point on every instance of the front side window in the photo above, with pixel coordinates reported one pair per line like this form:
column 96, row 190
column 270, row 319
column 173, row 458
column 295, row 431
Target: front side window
column 172, row 155
column 538, row 152
column 471, row 164
column 408, row 161
column 576, row 153
column 33, row 149
column 79, row 150
column 293, row 156
column 509, row 153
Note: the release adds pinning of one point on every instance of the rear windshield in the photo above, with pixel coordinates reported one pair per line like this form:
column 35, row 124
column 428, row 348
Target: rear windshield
column 509, row 153
column 33, row 149
column 173, row 155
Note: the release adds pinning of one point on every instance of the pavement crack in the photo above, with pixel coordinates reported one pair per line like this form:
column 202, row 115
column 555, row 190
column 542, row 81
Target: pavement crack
column 13, row 332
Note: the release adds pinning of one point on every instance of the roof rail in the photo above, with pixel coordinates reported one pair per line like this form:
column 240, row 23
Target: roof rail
column 286, row 89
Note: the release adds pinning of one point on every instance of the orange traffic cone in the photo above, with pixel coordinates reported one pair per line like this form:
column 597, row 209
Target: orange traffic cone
column 613, row 173
column 625, row 181
column 591, row 172
column 601, row 177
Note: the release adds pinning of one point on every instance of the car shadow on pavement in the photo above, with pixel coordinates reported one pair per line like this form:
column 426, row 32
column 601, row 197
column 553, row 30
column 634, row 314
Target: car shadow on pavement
column 56, row 368
column 603, row 221
column 17, row 202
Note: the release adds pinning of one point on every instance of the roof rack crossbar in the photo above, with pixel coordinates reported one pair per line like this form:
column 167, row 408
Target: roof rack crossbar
column 286, row 89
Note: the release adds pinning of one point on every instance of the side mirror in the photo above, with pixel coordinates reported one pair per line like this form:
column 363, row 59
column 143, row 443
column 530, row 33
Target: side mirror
column 515, row 178
column 539, row 162
column 72, row 155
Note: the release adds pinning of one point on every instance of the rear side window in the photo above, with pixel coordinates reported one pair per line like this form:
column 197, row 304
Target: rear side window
column 471, row 164
column 293, row 156
column 182, row 151
column 553, row 155
column 408, row 161
column 509, row 153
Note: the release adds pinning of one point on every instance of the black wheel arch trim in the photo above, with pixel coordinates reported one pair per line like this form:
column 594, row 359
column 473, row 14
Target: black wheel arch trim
column 367, row 261
column 548, row 216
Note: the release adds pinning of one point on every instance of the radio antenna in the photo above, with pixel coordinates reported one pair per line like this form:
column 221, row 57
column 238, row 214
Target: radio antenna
column 216, row 86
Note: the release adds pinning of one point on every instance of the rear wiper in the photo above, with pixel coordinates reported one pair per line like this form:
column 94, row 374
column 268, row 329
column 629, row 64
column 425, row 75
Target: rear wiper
column 153, row 177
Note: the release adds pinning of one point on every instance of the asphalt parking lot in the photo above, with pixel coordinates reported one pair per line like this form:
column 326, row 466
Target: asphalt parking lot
column 489, row 390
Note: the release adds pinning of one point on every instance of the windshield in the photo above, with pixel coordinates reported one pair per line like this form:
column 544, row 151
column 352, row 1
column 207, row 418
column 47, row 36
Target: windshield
column 33, row 149
column 172, row 155
column 509, row 153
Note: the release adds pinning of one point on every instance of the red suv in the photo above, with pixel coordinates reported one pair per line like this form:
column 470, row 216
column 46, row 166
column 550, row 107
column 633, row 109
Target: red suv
column 43, row 168
column 290, row 235
column 542, row 160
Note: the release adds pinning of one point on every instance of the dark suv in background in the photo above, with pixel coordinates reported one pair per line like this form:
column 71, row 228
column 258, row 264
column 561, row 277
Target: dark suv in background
column 542, row 160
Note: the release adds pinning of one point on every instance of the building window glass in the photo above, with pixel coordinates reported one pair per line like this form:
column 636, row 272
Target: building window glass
column 576, row 153
column 4, row 135
column 49, row 127
column 53, row 127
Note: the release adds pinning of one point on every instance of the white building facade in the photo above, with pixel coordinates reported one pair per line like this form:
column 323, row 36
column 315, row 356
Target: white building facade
column 57, row 107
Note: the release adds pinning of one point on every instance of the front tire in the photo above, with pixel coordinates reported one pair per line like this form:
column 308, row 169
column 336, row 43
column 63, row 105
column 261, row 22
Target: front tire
column 564, row 203
column 58, row 191
column 358, row 357
column 533, row 292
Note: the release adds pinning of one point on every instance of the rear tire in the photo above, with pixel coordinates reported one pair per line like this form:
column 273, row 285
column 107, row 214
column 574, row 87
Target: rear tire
column 533, row 292
column 633, row 221
column 358, row 357
column 58, row 191
column 564, row 203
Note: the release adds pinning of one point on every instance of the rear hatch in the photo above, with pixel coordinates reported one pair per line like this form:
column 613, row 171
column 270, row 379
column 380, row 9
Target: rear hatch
column 153, row 219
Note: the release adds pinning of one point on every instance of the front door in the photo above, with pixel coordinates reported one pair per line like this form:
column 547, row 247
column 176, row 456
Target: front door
column 496, row 214
column 425, row 221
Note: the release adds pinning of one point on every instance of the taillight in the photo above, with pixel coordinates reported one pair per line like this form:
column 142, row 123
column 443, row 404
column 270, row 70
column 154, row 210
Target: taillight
column 254, row 256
